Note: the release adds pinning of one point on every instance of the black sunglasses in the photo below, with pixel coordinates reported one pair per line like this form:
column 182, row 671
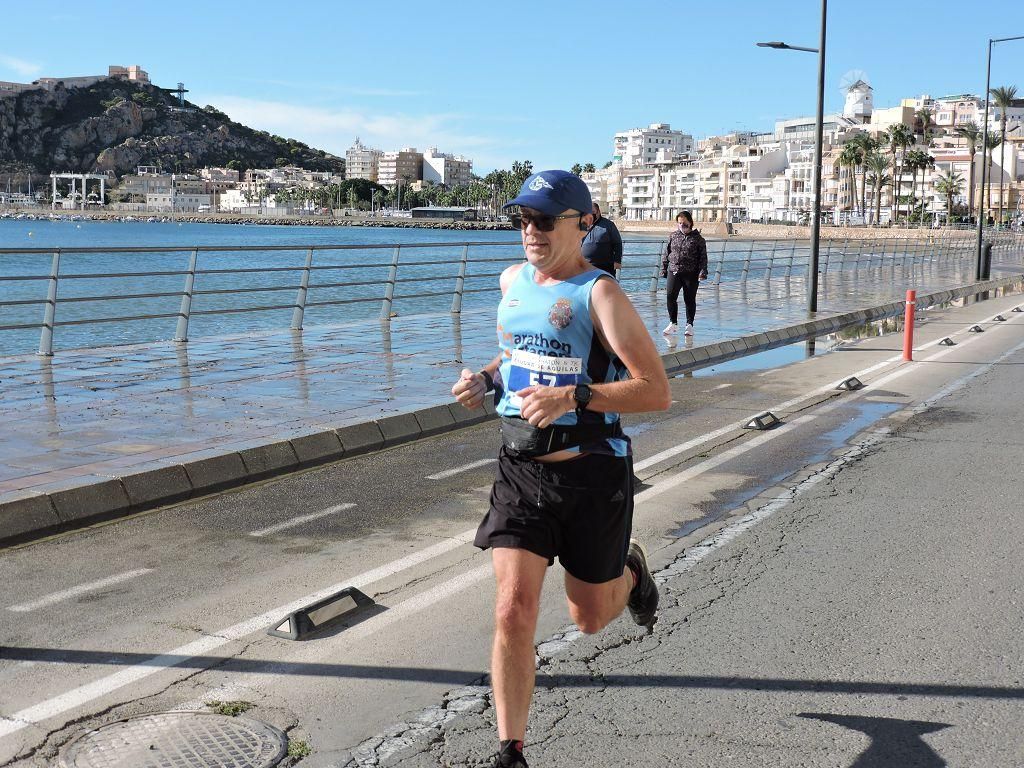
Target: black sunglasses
column 541, row 221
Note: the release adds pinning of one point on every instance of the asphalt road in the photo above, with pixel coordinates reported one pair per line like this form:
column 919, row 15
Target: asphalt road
column 877, row 593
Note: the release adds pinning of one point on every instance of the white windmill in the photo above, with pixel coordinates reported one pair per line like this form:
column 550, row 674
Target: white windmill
column 859, row 101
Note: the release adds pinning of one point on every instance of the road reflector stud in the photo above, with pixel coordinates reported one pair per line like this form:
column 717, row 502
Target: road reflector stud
column 999, row 319
column 321, row 614
column 763, row 421
column 851, row 384
column 1017, row 309
column 976, row 329
column 947, row 342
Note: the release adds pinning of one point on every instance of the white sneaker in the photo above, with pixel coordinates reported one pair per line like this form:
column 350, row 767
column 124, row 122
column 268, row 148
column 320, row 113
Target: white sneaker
column 670, row 329
column 688, row 331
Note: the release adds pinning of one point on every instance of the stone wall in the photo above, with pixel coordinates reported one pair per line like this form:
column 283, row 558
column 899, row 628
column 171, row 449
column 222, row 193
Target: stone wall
column 707, row 228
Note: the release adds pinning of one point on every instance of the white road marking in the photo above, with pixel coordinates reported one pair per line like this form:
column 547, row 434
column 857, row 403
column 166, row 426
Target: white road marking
column 386, row 742
column 98, row 688
column 302, row 519
column 784, row 406
column 722, row 386
column 458, row 470
column 105, row 685
column 81, row 589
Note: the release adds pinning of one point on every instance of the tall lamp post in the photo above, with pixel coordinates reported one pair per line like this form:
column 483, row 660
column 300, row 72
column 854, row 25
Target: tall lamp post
column 984, row 150
column 819, row 130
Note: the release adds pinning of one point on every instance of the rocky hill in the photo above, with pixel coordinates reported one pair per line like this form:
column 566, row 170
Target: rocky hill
column 116, row 125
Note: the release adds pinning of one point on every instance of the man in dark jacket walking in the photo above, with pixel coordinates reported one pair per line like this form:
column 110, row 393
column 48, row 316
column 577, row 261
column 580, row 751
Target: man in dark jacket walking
column 685, row 264
column 602, row 246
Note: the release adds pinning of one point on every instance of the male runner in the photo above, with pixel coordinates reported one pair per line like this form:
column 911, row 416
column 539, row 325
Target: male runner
column 568, row 335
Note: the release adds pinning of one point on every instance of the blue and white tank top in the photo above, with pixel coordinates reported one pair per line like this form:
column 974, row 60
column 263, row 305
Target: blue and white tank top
column 547, row 337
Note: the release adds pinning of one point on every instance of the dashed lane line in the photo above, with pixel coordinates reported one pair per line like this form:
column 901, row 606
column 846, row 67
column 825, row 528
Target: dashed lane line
column 91, row 691
column 278, row 527
column 81, row 589
column 459, row 470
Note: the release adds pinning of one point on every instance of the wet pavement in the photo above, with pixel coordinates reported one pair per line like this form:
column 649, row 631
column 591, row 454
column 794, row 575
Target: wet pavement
column 84, row 416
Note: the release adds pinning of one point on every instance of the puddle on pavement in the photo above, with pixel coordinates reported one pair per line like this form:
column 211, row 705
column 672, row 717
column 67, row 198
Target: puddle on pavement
column 867, row 413
column 822, row 345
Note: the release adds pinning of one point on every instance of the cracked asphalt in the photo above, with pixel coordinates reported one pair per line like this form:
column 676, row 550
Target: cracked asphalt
column 841, row 591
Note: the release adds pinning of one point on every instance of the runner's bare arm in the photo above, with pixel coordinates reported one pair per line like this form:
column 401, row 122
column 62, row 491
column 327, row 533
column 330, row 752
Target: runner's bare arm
column 622, row 332
column 471, row 388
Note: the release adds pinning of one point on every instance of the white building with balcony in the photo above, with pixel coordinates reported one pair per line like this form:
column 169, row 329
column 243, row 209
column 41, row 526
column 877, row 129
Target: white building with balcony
column 406, row 164
column 640, row 146
column 442, row 168
column 362, row 162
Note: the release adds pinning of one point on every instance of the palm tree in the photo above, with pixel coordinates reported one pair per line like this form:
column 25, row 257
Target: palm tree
column 970, row 133
column 849, row 158
column 589, row 168
column 949, row 185
column 877, row 164
column 1003, row 98
column 925, row 116
column 924, row 163
column 993, row 142
column 865, row 145
column 915, row 160
column 898, row 137
column 576, row 169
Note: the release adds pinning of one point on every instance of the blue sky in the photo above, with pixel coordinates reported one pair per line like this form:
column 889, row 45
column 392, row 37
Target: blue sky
column 548, row 81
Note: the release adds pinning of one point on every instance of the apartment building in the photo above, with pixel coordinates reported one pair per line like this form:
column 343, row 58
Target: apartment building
column 442, row 168
column 640, row 146
column 605, row 185
column 406, row 164
column 362, row 162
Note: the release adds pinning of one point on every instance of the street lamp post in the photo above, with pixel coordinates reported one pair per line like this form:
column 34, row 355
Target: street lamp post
column 984, row 149
column 819, row 130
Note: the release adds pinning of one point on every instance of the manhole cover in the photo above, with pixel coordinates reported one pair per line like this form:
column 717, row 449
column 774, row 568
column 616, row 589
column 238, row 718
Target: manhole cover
column 178, row 740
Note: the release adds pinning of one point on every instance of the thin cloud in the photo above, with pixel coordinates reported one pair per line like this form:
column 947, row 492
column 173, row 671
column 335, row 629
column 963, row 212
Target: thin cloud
column 22, row 67
column 335, row 129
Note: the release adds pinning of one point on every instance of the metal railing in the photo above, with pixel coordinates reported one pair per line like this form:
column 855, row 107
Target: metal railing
column 211, row 282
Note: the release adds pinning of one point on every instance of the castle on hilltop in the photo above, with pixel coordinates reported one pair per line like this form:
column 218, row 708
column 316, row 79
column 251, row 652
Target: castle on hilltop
column 134, row 73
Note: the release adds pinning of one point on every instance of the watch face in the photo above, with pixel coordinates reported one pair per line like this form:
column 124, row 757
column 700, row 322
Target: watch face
column 582, row 394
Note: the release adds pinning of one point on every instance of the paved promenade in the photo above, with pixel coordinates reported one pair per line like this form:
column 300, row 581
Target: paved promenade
column 216, row 411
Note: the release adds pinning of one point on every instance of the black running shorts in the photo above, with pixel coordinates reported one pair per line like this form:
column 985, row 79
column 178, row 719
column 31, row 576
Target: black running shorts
column 580, row 511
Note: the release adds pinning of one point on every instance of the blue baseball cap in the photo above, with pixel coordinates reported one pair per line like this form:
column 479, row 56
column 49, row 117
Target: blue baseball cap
column 553, row 192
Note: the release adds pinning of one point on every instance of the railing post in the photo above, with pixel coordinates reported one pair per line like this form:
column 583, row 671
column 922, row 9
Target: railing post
column 460, row 281
column 50, row 310
column 389, row 286
column 771, row 263
column 746, row 264
column 656, row 274
column 721, row 263
column 300, row 297
column 792, row 258
column 181, row 334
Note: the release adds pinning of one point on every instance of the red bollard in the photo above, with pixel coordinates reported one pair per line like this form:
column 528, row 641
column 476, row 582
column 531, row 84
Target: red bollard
column 908, row 326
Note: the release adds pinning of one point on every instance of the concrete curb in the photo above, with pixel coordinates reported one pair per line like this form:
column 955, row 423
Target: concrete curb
column 30, row 514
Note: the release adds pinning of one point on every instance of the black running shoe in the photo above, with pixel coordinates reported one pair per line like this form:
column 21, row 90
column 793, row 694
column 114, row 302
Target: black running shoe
column 509, row 757
column 643, row 600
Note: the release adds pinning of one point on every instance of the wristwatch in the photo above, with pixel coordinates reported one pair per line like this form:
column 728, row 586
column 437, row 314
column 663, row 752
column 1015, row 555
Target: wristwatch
column 582, row 395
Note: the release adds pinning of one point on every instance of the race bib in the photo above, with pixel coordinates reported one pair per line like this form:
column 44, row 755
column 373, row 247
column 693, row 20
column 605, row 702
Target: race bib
column 530, row 369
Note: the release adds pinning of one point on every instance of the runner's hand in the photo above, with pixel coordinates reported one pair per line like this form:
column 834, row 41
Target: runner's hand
column 542, row 405
column 470, row 390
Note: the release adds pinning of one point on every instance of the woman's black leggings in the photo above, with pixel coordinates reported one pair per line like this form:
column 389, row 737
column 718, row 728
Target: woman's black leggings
column 687, row 282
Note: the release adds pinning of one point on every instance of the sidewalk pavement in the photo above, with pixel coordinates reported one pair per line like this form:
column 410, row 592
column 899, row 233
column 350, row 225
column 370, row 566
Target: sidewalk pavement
column 101, row 432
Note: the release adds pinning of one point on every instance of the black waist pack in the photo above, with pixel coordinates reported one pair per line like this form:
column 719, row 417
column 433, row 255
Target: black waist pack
column 522, row 437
